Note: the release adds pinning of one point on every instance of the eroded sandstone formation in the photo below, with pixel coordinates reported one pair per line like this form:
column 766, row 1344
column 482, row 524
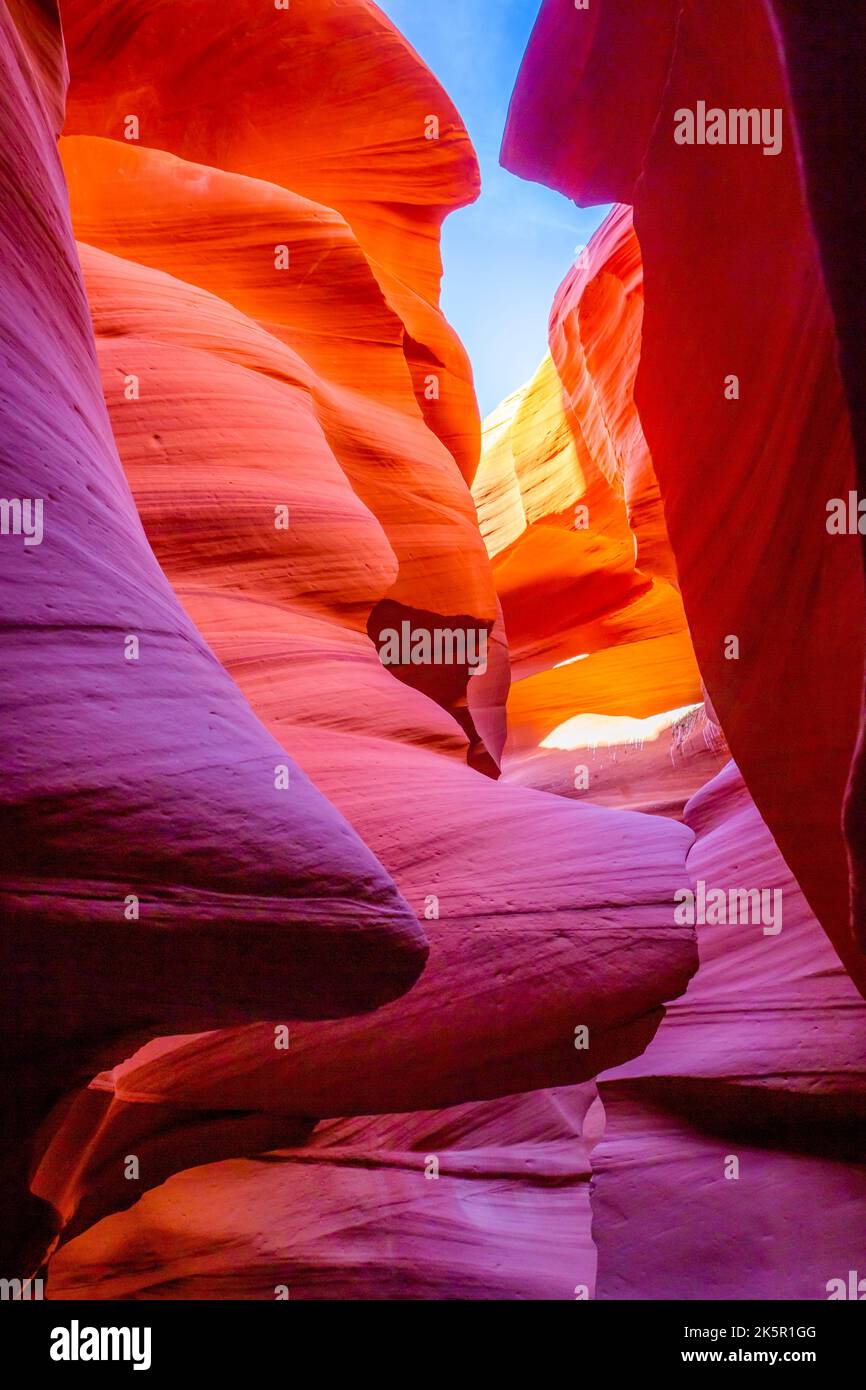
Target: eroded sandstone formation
column 260, row 326
column 606, row 702
column 306, row 999
column 131, row 760
column 731, row 1160
column 733, row 290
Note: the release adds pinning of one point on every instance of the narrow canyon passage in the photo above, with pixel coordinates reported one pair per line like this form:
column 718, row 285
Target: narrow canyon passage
column 441, row 820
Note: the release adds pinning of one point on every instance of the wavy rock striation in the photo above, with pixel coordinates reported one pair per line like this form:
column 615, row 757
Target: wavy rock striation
column 155, row 875
column 738, row 383
column 731, row 1160
column 296, row 422
column 606, row 703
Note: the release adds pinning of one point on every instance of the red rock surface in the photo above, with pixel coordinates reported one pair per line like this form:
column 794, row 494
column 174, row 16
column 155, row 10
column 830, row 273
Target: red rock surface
column 732, row 286
column 236, row 388
column 355, row 1214
column 606, row 701
column 762, row 1060
column 262, row 266
column 149, row 777
column 350, row 135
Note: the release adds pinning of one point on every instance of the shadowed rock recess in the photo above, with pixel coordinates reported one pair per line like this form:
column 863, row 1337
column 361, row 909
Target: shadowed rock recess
column 522, row 973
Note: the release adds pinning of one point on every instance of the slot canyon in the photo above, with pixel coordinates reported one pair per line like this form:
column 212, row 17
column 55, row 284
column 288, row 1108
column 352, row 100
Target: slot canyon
column 530, row 971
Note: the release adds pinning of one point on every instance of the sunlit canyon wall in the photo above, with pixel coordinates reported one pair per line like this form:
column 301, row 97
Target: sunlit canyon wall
column 306, row 998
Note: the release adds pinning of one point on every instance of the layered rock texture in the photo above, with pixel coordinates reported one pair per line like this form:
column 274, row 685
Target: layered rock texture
column 132, row 762
column 606, row 701
column 738, row 387
column 731, row 1161
column 338, row 976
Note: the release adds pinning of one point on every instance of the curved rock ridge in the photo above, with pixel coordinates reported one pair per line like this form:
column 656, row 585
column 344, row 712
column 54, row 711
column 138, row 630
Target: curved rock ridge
column 219, row 230
column 225, row 409
column 607, row 695
column 371, row 135
column 731, row 1165
column 595, row 341
column 345, row 356
column 500, row 1014
column 391, row 758
column 233, row 392
column 476, row 1202
column 824, row 67
column 223, row 948
column 164, row 864
column 37, row 23
column 307, row 591
column 738, row 383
